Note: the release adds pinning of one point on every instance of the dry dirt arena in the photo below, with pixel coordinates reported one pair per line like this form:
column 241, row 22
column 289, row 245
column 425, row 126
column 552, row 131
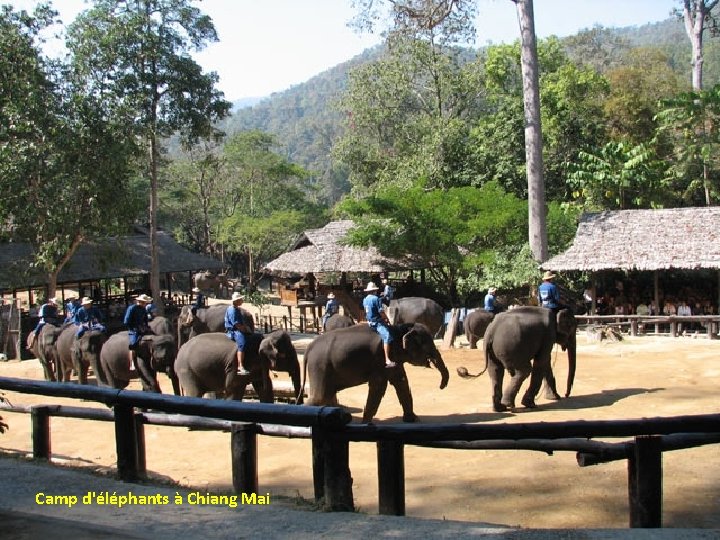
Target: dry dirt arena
column 634, row 378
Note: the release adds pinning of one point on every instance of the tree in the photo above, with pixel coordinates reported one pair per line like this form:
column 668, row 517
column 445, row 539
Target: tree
column 136, row 54
column 696, row 14
column 691, row 121
column 66, row 163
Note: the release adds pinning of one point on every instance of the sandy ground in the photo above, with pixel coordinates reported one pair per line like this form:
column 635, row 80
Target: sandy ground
column 637, row 377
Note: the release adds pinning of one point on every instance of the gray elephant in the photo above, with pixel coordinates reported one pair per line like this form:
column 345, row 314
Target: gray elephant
column 525, row 334
column 348, row 357
column 208, row 363
column 338, row 321
column 155, row 353
column 209, row 319
column 475, row 324
column 209, row 281
column 415, row 309
column 44, row 347
column 161, row 326
column 78, row 354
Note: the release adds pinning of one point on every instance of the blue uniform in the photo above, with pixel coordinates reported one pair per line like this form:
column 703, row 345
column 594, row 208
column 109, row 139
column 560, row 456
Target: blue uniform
column 331, row 308
column 88, row 318
column 48, row 314
column 549, row 295
column 235, row 326
column 136, row 321
column 373, row 307
column 489, row 304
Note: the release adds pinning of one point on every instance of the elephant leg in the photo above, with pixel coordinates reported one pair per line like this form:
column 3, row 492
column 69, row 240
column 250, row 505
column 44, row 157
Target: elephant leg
column 516, row 380
column 402, row 389
column 263, row 388
column 376, row 390
column 550, row 386
column 536, row 378
column 473, row 339
column 148, row 376
column 496, row 372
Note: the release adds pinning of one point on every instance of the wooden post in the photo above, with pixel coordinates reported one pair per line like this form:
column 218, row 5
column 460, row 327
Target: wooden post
column 126, row 443
column 633, row 327
column 140, row 441
column 645, row 482
column 243, row 449
column 40, row 418
column 318, row 466
column 391, row 478
column 332, row 454
column 451, row 329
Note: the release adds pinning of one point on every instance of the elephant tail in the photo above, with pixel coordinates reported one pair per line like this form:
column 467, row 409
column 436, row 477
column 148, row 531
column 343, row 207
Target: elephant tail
column 465, row 374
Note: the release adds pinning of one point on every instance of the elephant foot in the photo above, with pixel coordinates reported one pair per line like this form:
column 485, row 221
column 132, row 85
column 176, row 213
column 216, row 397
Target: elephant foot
column 554, row 396
column 412, row 417
column 499, row 407
column 528, row 403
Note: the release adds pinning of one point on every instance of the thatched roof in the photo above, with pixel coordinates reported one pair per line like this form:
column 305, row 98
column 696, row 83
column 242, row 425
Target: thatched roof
column 321, row 251
column 687, row 238
column 102, row 259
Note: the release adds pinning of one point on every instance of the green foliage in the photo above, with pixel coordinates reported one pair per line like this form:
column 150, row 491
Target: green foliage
column 619, row 176
column 692, row 122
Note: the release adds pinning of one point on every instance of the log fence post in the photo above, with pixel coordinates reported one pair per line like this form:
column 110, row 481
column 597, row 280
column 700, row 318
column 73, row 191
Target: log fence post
column 391, row 478
column 331, row 459
column 126, row 442
column 243, row 448
column 140, row 444
column 645, row 482
column 40, row 419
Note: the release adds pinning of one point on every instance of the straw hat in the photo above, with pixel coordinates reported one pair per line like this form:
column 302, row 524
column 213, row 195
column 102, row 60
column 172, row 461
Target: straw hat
column 86, row 301
column 331, row 295
column 195, row 290
column 492, row 290
column 144, row 298
column 371, row 287
column 237, row 296
column 548, row 275
column 52, row 300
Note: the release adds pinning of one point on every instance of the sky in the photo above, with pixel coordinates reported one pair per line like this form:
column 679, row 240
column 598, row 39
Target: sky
column 267, row 46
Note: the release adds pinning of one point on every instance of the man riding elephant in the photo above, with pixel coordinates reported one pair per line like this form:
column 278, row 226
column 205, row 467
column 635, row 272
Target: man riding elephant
column 377, row 320
column 88, row 317
column 238, row 330
column 136, row 321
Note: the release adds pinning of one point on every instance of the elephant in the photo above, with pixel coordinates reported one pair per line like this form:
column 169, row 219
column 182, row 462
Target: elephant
column 154, row 353
column 78, row 354
column 208, row 363
column 209, row 281
column 475, row 324
column 338, row 321
column 162, row 325
column 348, row 357
column 516, row 337
column 44, row 348
column 209, row 319
column 415, row 309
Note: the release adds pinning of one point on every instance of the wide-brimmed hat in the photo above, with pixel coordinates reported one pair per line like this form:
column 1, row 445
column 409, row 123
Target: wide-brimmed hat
column 371, row 287
column 331, row 295
column 145, row 298
column 492, row 290
column 85, row 301
column 548, row 275
column 237, row 296
column 52, row 300
column 195, row 290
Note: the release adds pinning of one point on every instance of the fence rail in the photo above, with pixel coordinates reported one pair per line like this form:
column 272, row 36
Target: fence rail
column 640, row 323
column 331, row 434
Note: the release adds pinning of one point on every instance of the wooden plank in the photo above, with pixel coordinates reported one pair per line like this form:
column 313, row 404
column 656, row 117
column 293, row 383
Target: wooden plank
column 451, row 329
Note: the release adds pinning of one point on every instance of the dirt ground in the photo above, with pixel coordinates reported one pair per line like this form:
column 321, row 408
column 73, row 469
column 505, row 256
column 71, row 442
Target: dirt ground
column 634, row 378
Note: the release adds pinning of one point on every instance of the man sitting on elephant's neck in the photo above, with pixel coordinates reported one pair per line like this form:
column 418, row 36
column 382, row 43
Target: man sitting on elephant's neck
column 236, row 330
column 377, row 320
column 136, row 321
column 548, row 293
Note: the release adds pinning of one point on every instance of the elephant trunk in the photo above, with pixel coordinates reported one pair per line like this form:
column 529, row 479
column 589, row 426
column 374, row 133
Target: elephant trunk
column 572, row 362
column 438, row 362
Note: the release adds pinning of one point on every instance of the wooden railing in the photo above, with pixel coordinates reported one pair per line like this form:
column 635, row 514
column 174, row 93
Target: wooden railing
column 332, row 433
column 638, row 324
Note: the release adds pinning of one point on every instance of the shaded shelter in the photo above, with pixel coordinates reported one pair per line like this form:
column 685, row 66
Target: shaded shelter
column 644, row 240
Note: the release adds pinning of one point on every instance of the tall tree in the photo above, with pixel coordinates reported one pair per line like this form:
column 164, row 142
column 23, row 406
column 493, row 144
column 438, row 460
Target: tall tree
column 697, row 14
column 66, row 163
column 137, row 54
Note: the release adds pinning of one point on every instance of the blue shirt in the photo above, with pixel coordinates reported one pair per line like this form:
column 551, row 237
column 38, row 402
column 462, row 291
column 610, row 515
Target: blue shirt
column 549, row 295
column 48, row 313
column 87, row 315
column 332, row 306
column 373, row 307
column 136, row 318
column 233, row 317
column 489, row 304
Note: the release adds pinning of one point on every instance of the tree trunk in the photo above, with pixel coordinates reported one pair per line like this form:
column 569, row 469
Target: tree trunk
column 533, row 130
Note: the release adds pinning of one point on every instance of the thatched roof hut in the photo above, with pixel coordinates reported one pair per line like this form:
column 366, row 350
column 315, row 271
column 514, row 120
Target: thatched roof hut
column 675, row 238
column 322, row 251
column 102, row 259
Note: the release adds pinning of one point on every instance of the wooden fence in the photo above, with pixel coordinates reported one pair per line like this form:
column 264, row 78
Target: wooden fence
column 331, row 433
column 641, row 324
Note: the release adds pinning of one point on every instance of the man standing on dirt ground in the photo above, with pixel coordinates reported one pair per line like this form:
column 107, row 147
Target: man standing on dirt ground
column 377, row 319
column 237, row 330
column 136, row 321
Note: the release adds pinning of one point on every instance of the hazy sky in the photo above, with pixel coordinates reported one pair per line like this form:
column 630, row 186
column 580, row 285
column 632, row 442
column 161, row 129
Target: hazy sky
column 268, row 45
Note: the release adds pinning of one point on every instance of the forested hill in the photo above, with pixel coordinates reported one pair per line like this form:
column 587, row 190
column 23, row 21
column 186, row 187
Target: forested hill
column 305, row 122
